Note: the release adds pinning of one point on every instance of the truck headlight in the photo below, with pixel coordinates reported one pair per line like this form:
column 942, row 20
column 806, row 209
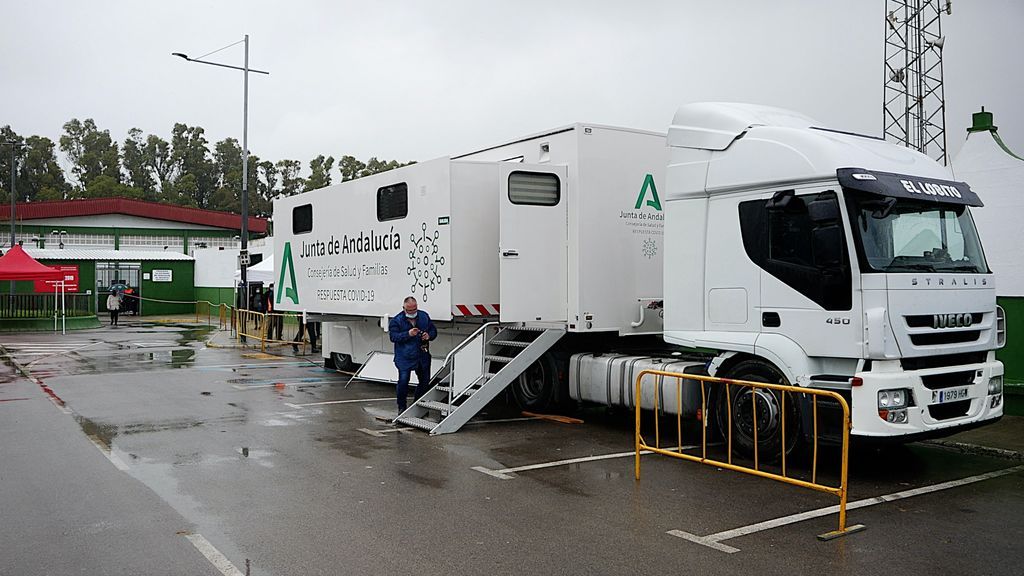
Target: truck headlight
column 893, row 399
column 995, row 385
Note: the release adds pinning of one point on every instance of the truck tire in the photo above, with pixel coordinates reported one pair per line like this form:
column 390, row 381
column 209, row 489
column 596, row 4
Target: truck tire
column 537, row 387
column 769, row 412
column 342, row 362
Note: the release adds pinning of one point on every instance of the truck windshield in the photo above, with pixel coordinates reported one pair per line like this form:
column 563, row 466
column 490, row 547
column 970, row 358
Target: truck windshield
column 901, row 235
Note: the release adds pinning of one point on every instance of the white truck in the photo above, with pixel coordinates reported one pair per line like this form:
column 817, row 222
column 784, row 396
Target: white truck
column 747, row 242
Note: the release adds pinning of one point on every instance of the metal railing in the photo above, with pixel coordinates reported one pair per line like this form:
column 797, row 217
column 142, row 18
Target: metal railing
column 460, row 381
column 224, row 314
column 45, row 305
column 727, row 386
column 261, row 326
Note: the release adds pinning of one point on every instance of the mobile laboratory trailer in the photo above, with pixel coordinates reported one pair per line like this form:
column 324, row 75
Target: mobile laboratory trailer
column 782, row 251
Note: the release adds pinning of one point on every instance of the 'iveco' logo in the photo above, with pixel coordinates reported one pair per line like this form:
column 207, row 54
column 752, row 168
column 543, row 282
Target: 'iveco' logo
column 952, row 320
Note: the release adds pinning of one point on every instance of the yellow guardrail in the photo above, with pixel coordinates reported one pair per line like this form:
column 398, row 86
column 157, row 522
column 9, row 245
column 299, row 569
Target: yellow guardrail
column 641, row 444
column 263, row 326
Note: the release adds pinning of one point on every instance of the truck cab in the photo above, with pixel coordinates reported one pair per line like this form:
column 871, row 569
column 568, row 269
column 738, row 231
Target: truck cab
column 820, row 258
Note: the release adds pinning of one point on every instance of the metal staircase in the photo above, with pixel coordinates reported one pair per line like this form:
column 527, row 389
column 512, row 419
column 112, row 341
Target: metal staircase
column 475, row 372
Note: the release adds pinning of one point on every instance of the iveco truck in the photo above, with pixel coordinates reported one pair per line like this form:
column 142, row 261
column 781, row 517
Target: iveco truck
column 747, row 242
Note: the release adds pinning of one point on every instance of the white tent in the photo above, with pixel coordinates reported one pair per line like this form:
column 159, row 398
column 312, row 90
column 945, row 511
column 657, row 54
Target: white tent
column 997, row 176
column 262, row 272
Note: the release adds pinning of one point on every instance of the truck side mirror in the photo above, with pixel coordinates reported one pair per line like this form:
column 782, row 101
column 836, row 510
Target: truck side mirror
column 824, row 208
column 780, row 200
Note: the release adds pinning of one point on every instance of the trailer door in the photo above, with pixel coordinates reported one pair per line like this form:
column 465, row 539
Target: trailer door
column 532, row 242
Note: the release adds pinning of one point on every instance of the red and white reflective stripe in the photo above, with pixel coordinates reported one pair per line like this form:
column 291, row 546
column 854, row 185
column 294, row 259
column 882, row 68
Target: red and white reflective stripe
column 476, row 310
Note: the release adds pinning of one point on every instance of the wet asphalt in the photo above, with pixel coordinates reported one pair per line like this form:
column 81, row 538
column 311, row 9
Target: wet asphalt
column 161, row 438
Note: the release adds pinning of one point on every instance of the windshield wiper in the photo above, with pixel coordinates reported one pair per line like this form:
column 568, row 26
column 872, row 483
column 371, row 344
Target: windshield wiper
column 924, row 267
column 963, row 268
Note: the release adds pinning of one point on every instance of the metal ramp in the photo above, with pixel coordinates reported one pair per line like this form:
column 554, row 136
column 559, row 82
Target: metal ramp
column 475, row 372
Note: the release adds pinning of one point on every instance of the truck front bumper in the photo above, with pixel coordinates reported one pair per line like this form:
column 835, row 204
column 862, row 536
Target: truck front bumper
column 929, row 411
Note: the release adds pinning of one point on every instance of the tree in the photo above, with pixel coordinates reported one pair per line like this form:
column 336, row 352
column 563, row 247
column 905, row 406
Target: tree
column 157, row 153
column 190, row 156
column 320, row 173
column 41, row 177
column 104, row 186
column 227, row 157
column 350, row 168
column 91, row 151
column 291, row 182
column 9, row 135
column 133, row 158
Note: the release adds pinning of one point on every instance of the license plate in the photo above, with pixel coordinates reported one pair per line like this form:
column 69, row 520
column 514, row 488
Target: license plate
column 949, row 395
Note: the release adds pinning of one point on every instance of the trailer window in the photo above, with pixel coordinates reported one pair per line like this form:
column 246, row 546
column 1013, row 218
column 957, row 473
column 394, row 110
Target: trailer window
column 392, row 202
column 534, row 188
column 302, row 219
column 802, row 244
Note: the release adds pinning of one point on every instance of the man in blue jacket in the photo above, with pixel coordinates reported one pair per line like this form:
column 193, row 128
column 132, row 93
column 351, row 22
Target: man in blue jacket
column 411, row 331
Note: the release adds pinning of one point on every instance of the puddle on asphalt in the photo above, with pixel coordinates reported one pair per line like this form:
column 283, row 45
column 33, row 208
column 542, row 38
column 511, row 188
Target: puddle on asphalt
column 107, row 432
column 104, row 432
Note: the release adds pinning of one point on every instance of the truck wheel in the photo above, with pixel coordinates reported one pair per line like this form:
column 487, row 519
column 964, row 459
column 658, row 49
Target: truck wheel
column 769, row 412
column 536, row 388
column 342, row 362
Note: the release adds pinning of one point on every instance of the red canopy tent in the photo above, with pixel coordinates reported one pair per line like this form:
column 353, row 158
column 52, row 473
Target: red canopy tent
column 16, row 264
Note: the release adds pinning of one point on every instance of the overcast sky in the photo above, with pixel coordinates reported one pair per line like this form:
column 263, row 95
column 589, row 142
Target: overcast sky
column 416, row 80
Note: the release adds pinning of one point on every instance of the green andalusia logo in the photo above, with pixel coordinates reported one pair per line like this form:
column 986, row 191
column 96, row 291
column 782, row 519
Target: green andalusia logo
column 654, row 202
column 646, row 225
column 292, row 291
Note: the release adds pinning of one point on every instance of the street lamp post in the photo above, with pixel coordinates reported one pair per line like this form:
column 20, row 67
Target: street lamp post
column 14, row 195
column 244, row 252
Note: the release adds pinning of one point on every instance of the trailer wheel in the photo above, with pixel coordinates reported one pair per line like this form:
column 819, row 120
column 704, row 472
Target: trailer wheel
column 741, row 399
column 537, row 387
column 342, row 362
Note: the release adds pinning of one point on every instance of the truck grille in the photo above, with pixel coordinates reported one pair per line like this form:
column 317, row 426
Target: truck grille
column 943, row 360
column 940, row 381
column 926, row 320
column 937, row 338
column 951, row 410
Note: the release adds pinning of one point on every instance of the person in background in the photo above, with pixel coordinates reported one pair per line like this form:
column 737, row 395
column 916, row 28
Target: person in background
column 275, row 324
column 411, row 330
column 113, row 306
column 311, row 329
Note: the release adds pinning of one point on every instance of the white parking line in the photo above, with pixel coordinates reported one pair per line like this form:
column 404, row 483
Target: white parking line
column 505, row 473
column 258, row 365
column 358, row 400
column 380, row 433
column 219, row 561
column 714, row 540
column 107, row 452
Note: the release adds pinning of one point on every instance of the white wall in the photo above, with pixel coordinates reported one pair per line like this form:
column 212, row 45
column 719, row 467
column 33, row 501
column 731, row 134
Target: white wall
column 998, row 179
column 215, row 268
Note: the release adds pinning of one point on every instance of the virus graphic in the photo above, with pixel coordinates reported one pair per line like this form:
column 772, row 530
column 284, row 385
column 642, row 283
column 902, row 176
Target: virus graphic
column 424, row 262
column 650, row 248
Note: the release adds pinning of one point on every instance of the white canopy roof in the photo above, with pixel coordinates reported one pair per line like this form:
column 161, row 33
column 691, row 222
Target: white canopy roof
column 262, row 272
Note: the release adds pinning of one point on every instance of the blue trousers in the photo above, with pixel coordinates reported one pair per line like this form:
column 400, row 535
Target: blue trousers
column 422, row 374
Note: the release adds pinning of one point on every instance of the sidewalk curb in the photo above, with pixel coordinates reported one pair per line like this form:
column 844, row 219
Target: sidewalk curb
column 56, row 400
column 977, row 450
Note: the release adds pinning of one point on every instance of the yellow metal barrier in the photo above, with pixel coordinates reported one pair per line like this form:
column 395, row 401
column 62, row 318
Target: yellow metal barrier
column 250, row 324
column 677, row 452
column 262, row 327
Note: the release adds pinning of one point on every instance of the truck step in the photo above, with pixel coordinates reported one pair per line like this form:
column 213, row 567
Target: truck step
column 447, row 389
column 497, row 358
column 512, row 343
column 421, row 423
column 442, row 407
column 525, row 329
